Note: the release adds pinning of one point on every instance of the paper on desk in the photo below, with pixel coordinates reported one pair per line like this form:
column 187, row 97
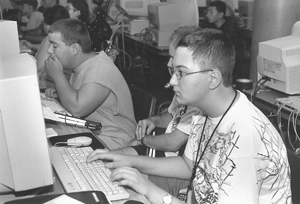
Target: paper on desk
column 50, row 132
column 48, row 114
column 64, row 199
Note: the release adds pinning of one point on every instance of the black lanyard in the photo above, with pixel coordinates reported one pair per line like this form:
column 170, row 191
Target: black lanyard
column 198, row 159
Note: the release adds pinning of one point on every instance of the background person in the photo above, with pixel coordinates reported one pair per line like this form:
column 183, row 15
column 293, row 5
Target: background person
column 47, row 4
column 35, row 18
column 230, row 26
column 96, row 90
column 37, row 35
column 51, row 15
column 79, row 9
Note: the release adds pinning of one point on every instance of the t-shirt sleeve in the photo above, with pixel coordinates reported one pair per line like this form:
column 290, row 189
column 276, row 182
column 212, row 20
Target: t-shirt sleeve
column 185, row 123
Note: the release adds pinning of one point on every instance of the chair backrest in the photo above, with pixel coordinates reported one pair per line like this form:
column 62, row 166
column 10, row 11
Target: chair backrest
column 143, row 103
column 294, row 161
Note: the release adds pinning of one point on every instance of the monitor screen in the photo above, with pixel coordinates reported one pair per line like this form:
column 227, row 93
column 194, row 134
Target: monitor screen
column 169, row 15
column 164, row 16
column 24, row 155
column 279, row 61
column 135, row 8
column 188, row 12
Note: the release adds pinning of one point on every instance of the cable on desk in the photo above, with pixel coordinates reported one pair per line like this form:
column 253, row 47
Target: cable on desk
column 293, row 117
column 258, row 86
column 292, row 120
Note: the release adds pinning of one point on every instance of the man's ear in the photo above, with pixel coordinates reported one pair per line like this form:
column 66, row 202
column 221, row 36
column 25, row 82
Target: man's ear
column 78, row 13
column 222, row 15
column 215, row 79
column 75, row 49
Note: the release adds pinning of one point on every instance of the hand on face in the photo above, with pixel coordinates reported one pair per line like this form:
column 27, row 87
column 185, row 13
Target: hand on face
column 53, row 66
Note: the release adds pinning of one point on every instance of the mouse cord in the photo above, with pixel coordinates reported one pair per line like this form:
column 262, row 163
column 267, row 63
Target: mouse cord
column 59, row 143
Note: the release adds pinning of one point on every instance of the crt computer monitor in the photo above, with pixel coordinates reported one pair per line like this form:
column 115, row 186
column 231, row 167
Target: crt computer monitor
column 164, row 14
column 279, row 60
column 246, row 8
column 188, row 12
column 24, row 155
column 135, row 8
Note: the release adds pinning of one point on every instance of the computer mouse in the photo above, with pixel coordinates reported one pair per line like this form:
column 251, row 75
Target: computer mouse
column 79, row 141
column 133, row 202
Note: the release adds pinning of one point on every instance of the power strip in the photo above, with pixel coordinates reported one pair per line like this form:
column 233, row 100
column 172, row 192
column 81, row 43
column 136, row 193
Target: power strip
column 292, row 102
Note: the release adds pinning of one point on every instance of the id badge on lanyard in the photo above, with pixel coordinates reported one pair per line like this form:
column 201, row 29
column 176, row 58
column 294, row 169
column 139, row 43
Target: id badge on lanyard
column 185, row 195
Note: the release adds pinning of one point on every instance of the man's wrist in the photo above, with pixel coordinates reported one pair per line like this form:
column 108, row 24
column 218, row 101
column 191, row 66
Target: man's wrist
column 140, row 149
column 143, row 141
column 154, row 119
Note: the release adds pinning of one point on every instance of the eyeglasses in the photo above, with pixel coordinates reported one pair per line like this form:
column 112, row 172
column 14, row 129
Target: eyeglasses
column 179, row 74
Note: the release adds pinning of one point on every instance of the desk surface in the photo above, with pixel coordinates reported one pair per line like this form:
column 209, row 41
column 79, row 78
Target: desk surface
column 63, row 129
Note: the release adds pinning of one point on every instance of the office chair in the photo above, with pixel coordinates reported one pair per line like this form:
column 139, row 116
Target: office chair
column 143, row 103
column 294, row 161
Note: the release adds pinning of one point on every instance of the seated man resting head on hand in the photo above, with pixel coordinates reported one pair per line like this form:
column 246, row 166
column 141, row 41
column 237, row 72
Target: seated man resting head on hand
column 96, row 90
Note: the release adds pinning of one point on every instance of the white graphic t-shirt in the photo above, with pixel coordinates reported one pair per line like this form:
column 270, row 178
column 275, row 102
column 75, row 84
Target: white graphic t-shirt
column 245, row 160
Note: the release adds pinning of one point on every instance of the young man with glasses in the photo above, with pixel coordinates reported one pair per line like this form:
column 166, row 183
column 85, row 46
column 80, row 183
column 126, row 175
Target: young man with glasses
column 233, row 155
column 176, row 121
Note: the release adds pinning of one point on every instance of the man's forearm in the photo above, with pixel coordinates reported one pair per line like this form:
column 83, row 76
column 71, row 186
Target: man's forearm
column 168, row 142
column 160, row 166
column 36, row 39
column 163, row 120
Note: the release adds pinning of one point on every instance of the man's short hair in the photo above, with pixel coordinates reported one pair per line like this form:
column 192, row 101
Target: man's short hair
column 220, row 6
column 73, row 31
column 212, row 50
column 33, row 3
column 180, row 33
column 55, row 13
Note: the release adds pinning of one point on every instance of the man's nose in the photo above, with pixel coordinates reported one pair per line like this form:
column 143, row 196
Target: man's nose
column 50, row 49
column 173, row 80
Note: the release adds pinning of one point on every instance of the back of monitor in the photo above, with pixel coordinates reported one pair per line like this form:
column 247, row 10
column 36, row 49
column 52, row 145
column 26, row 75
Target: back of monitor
column 24, row 155
column 9, row 38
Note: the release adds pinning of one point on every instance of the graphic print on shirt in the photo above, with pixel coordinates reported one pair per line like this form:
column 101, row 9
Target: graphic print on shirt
column 207, row 183
column 216, row 165
column 177, row 116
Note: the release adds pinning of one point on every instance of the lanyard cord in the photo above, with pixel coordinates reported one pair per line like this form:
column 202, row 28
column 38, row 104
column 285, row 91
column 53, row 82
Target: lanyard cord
column 198, row 160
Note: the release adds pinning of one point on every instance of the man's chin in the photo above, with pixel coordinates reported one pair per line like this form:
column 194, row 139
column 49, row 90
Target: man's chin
column 179, row 100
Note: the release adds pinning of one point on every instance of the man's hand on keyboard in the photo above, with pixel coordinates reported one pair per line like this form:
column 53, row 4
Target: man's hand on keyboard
column 127, row 176
column 51, row 93
column 114, row 160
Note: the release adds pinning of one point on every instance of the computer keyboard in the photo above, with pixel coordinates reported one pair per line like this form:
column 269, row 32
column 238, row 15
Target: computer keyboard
column 76, row 175
column 53, row 105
